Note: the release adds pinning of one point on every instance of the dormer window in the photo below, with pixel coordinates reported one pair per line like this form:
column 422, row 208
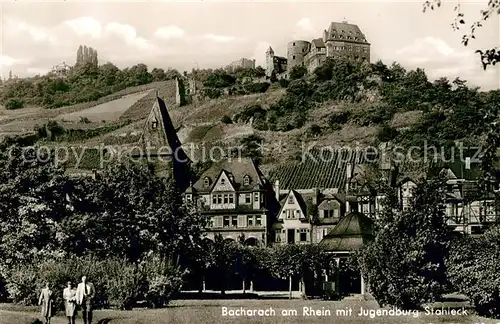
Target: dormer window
column 154, row 124
column 206, row 182
column 246, row 180
column 354, row 185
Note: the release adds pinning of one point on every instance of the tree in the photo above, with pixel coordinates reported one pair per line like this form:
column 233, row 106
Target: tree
column 33, row 201
column 404, row 265
column 79, row 56
column 487, row 56
column 129, row 213
column 223, row 254
column 158, row 74
column 298, row 72
column 473, row 268
column 299, row 261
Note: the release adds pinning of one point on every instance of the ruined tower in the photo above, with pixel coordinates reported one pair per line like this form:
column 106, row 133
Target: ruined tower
column 269, row 61
column 162, row 147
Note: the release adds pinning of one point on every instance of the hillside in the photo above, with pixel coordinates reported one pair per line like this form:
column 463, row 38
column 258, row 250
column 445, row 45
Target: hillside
column 376, row 104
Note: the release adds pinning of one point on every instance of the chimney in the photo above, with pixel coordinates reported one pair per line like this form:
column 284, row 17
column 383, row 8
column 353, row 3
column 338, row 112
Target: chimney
column 325, row 35
column 315, row 196
column 277, row 189
column 467, row 163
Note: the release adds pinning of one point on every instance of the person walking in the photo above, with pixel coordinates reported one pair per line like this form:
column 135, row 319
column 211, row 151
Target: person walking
column 46, row 301
column 69, row 297
column 85, row 293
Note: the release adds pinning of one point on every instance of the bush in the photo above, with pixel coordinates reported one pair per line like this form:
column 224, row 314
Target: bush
column 249, row 112
column 387, row 133
column 14, row 103
column 337, row 119
column 284, row 83
column 473, row 270
column 226, row 119
column 23, row 284
column 211, row 93
column 123, row 284
column 163, row 282
column 298, row 72
column 314, row 130
column 259, row 87
column 116, row 281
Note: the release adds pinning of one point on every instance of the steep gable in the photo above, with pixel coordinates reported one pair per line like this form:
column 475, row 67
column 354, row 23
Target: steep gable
column 293, row 207
column 238, row 168
column 223, row 183
column 160, row 134
column 162, row 147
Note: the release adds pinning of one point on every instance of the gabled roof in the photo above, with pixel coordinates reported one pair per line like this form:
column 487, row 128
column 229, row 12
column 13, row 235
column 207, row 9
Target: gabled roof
column 227, row 175
column 350, row 234
column 318, row 42
column 237, row 168
column 300, row 202
column 328, row 170
column 345, row 30
column 329, row 204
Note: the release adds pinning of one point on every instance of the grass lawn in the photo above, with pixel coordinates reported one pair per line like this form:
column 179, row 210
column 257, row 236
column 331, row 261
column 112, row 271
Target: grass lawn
column 109, row 111
column 210, row 311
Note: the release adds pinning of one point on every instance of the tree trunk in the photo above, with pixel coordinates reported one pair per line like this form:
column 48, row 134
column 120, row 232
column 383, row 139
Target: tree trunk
column 290, row 286
column 302, row 286
column 201, row 285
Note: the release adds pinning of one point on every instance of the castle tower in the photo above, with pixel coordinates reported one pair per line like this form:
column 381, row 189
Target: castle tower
column 269, row 61
column 296, row 51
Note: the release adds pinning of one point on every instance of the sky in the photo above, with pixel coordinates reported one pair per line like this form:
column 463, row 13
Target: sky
column 183, row 35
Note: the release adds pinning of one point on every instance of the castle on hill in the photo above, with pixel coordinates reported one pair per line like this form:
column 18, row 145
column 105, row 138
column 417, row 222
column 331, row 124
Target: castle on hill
column 340, row 40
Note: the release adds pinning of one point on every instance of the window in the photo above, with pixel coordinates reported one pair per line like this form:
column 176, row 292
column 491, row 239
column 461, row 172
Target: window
column 297, row 213
column 277, row 237
column 246, row 180
column 258, row 220
column 219, row 199
column 154, row 124
column 231, row 198
column 293, row 57
column 222, row 181
column 214, row 199
column 248, row 198
column 328, row 213
column 293, row 44
column 250, row 221
column 234, row 221
column 256, row 197
column 290, row 199
column 354, row 185
column 303, row 235
column 226, row 198
column 206, row 182
column 226, row 221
